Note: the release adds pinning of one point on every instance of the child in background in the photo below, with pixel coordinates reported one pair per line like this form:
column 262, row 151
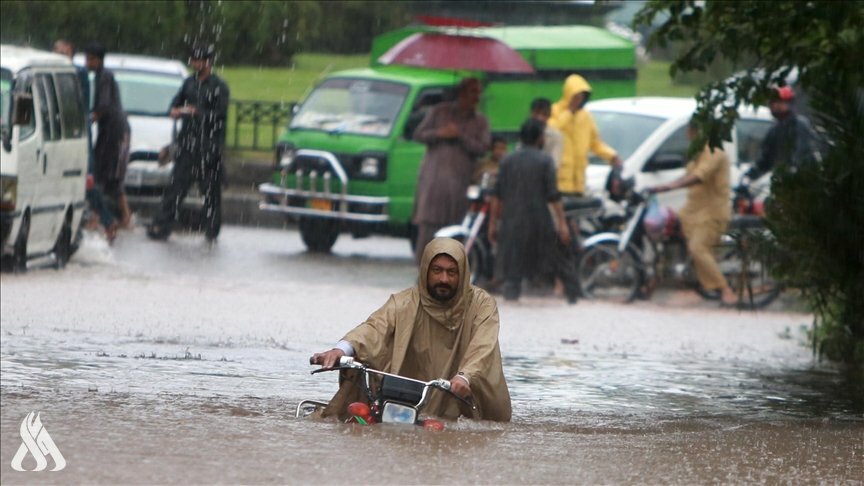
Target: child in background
column 489, row 165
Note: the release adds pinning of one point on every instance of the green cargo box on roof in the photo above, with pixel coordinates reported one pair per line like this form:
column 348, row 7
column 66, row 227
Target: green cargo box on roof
column 605, row 60
column 357, row 169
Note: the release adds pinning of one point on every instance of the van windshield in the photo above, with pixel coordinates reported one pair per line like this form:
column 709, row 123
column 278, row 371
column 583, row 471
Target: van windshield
column 358, row 106
column 624, row 132
column 147, row 94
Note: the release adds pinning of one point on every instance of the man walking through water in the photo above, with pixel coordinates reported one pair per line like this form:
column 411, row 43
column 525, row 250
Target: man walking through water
column 202, row 104
column 441, row 327
column 456, row 136
column 111, row 150
column 527, row 187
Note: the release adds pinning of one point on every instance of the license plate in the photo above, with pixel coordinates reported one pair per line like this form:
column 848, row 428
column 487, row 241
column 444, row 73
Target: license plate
column 321, row 204
column 135, row 179
column 398, row 414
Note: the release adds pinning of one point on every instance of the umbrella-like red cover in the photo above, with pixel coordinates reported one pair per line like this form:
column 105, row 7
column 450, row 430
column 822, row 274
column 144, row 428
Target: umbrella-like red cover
column 448, row 51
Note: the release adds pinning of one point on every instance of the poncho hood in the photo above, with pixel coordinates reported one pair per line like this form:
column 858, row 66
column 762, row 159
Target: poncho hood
column 448, row 314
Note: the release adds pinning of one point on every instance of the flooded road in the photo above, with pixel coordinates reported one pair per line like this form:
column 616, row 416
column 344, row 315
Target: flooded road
column 180, row 363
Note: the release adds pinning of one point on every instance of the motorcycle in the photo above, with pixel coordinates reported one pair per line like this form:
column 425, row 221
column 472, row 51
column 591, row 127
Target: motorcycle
column 584, row 213
column 473, row 231
column 391, row 398
column 623, row 266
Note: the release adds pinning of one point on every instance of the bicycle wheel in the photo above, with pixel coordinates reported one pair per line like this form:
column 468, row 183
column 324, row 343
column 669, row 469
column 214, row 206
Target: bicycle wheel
column 754, row 285
column 605, row 274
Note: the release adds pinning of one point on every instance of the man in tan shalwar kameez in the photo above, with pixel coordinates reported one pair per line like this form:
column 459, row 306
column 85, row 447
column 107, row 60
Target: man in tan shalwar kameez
column 442, row 327
column 706, row 214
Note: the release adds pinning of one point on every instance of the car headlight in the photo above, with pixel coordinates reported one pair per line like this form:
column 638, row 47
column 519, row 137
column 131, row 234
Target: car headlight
column 285, row 152
column 371, row 165
column 8, row 192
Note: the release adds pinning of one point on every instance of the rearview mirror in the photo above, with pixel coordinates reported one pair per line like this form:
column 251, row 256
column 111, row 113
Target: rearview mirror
column 23, row 114
column 665, row 162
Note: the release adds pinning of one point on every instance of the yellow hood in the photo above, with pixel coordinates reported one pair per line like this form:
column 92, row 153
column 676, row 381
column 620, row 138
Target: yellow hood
column 572, row 85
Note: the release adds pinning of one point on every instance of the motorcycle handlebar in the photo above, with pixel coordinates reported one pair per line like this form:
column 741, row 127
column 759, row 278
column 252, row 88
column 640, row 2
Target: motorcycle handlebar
column 350, row 363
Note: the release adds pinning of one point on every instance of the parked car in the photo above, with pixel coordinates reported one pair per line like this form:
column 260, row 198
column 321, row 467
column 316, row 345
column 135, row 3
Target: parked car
column 147, row 86
column 650, row 135
column 43, row 162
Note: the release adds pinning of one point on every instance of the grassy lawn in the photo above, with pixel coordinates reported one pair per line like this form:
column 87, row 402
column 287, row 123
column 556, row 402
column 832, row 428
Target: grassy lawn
column 653, row 80
column 288, row 84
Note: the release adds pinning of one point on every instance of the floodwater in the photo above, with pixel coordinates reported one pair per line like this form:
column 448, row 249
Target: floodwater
column 180, row 363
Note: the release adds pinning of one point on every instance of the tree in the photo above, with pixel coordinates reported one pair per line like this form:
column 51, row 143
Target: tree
column 817, row 212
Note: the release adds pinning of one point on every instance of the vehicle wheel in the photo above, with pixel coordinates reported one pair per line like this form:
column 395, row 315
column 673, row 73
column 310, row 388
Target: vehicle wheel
column 19, row 256
column 319, row 235
column 63, row 246
column 754, row 285
column 78, row 235
column 604, row 274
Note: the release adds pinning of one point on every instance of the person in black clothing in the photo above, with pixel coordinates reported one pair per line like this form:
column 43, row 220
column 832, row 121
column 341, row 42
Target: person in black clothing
column 527, row 183
column 94, row 192
column 789, row 142
column 202, row 104
column 111, row 150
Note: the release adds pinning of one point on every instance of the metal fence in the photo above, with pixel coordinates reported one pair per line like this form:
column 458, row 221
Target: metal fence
column 255, row 125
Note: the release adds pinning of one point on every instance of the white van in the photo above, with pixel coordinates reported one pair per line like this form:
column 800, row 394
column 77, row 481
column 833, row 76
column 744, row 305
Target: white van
column 43, row 162
column 650, row 135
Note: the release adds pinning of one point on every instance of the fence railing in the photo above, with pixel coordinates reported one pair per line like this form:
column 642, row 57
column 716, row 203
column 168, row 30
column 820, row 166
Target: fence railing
column 256, row 125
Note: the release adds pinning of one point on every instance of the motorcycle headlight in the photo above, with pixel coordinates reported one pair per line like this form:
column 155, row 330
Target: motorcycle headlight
column 8, row 193
column 473, row 192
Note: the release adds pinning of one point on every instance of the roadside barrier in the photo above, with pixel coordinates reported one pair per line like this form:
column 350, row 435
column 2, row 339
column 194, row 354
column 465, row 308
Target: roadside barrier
column 256, row 125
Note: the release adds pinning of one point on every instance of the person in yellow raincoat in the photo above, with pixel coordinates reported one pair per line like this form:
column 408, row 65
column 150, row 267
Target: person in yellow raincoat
column 442, row 327
column 580, row 135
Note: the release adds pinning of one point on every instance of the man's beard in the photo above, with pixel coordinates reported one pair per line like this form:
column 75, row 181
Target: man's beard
column 447, row 292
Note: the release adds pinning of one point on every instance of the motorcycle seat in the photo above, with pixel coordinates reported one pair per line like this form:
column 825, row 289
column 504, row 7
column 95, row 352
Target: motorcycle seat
column 745, row 222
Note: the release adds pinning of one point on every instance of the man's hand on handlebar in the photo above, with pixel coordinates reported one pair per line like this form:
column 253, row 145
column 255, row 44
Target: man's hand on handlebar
column 327, row 359
column 459, row 386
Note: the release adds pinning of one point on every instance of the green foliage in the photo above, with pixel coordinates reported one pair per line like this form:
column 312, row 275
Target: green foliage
column 817, row 215
column 245, row 32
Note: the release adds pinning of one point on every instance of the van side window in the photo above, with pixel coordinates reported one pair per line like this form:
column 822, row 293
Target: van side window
column 71, row 105
column 23, row 85
column 53, row 106
column 750, row 134
column 426, row 99
column 41, row 102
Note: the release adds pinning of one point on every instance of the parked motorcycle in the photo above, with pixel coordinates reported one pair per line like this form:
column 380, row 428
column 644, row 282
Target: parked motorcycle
column 585, row 213
column 473, row 231
column 626, row 265
column 391, row 398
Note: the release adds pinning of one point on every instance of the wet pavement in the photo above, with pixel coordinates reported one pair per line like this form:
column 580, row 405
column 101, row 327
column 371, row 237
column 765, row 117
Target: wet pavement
column 179, row 363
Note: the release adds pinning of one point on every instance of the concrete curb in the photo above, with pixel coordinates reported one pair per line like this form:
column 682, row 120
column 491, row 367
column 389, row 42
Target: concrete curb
column 240, row 197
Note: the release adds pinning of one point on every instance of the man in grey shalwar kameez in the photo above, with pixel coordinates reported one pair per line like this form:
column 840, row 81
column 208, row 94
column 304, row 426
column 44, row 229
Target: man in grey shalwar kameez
column 456, row 135
column 527, row 184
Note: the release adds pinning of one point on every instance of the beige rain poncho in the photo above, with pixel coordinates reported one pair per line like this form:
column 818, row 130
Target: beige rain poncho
column 416, row 336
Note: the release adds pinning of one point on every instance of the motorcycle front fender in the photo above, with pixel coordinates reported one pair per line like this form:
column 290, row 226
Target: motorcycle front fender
column 457, row 232
column 599, row 238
